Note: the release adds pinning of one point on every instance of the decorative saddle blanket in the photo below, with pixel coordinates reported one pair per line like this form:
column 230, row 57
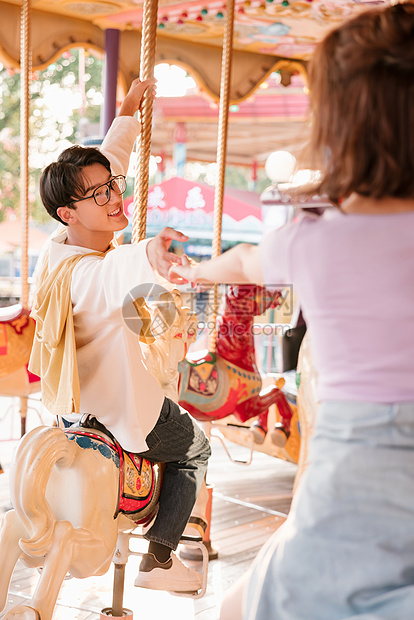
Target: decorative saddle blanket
column 138, row 478
column 210, row 383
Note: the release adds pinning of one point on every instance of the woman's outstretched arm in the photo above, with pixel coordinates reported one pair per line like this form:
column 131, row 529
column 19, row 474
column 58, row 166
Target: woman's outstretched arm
column 240, row 265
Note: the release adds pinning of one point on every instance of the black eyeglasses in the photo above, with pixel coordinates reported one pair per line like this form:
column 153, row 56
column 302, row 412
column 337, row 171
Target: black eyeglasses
column 102, row 194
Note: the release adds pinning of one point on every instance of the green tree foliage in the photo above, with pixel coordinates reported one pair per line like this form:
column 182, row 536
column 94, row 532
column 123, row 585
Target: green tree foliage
column 64, row 96
column 9, row 140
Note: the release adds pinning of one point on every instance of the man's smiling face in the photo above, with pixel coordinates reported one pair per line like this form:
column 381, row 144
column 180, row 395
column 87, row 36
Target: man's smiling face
column 93, row 217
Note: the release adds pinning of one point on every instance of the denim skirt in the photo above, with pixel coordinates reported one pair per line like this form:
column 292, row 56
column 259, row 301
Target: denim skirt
column 346, row 550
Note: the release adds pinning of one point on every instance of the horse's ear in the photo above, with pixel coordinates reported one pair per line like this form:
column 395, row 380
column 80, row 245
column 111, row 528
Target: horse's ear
column 178, row 301
column 166, row 315
column 277, row 299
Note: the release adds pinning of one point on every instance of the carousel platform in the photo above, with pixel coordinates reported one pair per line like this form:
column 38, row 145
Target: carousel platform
column 250, row 502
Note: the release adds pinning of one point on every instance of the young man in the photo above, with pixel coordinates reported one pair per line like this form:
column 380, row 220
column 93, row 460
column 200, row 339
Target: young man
column 88, row 358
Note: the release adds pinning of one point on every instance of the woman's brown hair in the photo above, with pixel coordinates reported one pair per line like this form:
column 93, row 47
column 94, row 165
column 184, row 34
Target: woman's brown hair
column 362, row 97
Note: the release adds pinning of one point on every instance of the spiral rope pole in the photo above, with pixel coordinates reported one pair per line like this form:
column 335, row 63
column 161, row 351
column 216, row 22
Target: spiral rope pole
column 221, row 158
column 25, row 69
column 148, row 45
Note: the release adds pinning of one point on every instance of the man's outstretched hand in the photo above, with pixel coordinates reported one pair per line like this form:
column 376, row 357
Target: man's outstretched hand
column 158, row 250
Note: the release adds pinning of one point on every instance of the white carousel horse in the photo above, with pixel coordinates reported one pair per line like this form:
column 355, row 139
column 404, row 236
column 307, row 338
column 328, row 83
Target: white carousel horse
column 77, row 533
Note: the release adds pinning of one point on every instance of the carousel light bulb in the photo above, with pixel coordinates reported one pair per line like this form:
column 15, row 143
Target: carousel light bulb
column 279, row 166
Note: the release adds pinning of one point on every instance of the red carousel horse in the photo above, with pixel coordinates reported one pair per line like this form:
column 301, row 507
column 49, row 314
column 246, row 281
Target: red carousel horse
column 16, row 335
column 216, row 385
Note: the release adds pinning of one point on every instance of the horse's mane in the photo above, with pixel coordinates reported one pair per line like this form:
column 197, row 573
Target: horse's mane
column 241, row 304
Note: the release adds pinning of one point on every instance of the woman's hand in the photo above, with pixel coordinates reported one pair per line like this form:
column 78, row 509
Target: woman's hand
column 188, row 271
column 157, row 251
column 239, row 265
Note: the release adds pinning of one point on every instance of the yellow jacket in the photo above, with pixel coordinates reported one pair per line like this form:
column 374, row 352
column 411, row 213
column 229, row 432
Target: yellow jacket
column 53, row 356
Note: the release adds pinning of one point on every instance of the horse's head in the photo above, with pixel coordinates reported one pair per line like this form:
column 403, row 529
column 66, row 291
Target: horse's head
column 175, row 329
column 172, row 322
column 184, row 328
column 249, row 300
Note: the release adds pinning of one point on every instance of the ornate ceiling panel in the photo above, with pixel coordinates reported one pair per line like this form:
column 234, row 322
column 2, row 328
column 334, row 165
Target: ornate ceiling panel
column 55, row 28
column 279, row 27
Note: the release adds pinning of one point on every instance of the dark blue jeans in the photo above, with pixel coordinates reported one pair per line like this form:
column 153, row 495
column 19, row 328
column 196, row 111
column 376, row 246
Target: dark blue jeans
column 181, row 444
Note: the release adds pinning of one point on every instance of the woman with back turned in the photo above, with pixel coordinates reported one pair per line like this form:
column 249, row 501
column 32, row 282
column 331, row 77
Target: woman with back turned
column 346, row 550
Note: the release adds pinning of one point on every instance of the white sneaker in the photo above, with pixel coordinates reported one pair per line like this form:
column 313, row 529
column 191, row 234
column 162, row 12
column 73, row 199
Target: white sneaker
column 172, row 575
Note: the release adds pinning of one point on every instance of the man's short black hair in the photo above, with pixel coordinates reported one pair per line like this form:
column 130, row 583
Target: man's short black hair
column 62, row 182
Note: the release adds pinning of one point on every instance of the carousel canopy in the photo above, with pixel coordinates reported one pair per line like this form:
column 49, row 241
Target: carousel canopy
column 269, row 34
column 274, row 118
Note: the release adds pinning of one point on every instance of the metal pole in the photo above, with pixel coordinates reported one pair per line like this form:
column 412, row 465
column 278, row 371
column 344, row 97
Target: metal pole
column 118, row 591
column 221, row 156
column 25, row 70
column 148, row 44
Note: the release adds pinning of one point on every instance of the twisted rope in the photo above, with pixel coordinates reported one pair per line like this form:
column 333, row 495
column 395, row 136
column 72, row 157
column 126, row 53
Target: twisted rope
column 221, row 158
column 148, row 45
column 25, row 69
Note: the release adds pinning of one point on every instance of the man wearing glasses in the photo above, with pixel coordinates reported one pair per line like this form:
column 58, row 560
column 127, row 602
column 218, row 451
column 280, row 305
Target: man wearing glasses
column 103, row 373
